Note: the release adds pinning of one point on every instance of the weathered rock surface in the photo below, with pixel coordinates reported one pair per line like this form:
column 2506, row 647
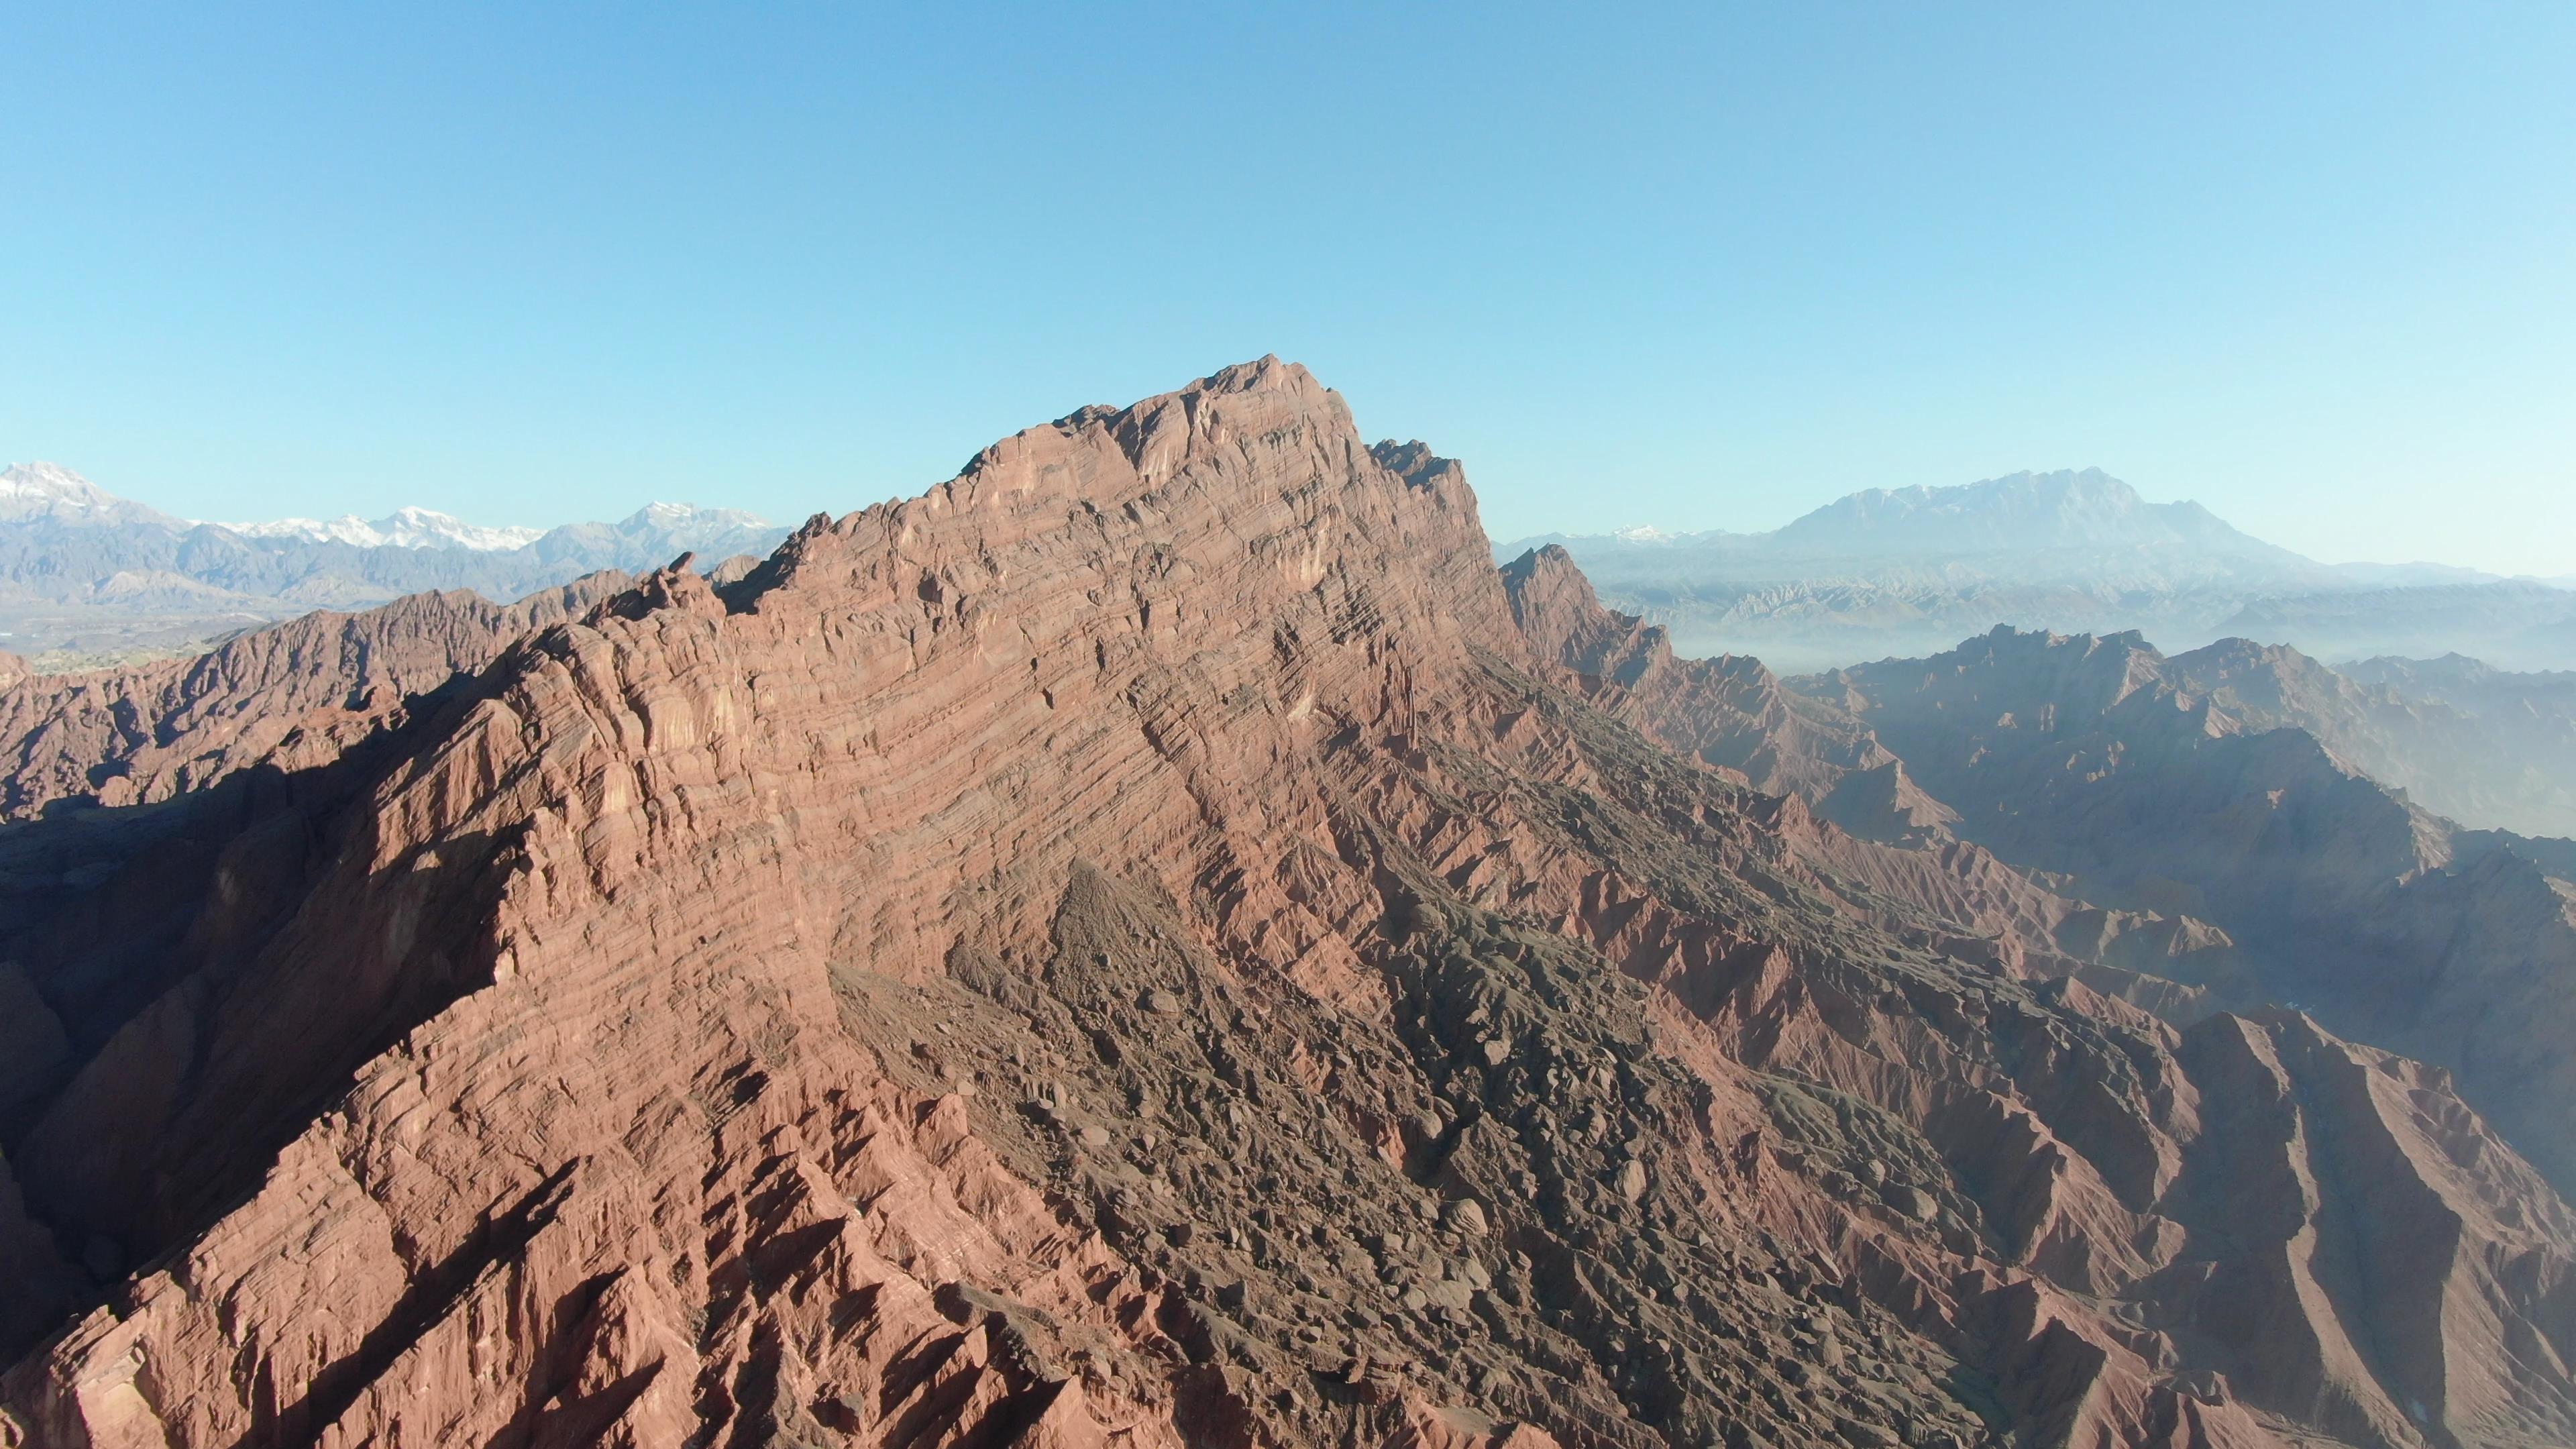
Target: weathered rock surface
column 294, row 694
column 1158, row 942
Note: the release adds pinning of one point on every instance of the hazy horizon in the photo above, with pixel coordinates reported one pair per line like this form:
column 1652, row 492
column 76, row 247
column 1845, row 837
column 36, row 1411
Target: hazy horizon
column 2305, row 267
column 1589, row 528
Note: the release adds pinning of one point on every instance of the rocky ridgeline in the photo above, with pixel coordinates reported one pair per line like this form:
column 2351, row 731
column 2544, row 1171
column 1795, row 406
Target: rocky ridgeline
column 1158, row 942
column 295, row 694
column 2171, row 784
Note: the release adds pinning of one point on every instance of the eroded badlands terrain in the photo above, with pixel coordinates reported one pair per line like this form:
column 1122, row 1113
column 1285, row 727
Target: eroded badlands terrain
column 1158, row 941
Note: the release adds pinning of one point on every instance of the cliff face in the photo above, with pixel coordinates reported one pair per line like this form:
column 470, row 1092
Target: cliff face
column 1157, row 942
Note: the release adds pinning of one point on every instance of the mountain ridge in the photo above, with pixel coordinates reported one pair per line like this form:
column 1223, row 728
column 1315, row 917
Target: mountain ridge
column 86, row 576
column 1893, row 573
column 1156, row 940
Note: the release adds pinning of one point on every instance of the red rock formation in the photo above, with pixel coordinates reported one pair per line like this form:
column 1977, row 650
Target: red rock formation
column 296, row 693
column 1728, row 712
column 1894, row 842
column 1139, row 946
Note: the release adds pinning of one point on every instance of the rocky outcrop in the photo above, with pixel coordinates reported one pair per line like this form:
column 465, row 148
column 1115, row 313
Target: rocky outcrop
column 1730, row 712
column 1144, row 944
column 294, row 695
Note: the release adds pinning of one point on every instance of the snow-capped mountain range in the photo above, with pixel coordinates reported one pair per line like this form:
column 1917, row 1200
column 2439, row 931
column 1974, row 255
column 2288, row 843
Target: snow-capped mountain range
column 86, row 571
column 402, row 528
column 429, row 528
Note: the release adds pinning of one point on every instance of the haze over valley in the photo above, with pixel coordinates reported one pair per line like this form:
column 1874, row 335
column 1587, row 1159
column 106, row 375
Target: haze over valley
column 1911, row 571
column 1519, row 797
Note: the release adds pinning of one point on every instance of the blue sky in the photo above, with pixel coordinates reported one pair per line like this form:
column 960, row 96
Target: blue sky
column 1702, row 266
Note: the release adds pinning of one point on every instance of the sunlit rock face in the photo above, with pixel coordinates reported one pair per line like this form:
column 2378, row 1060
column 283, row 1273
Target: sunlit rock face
column 1157, row 941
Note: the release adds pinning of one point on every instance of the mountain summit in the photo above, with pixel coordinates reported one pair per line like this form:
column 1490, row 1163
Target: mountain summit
column 52, row 493
column 2018, row 513
column 1159, row 941
column 1892, row 572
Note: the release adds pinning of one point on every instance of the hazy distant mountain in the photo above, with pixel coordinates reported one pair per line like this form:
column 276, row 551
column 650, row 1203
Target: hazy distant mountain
column 1909, row 571
column 2515, row 624
column 2171, row 784
column 2495, row 747
column 2485, row 747
column 86, row 574
column 2067, row 513
column 2472, row 684
column 2065, row 525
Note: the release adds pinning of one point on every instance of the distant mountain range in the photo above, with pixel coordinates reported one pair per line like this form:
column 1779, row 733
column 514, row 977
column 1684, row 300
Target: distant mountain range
column 2244, row 787
column 1910, row 571
column 87, row 576
column 402, row 528
column 1157, row 941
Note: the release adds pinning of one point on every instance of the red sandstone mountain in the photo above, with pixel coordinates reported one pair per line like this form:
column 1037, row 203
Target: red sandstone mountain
column 295, row 694
column 1155, row 942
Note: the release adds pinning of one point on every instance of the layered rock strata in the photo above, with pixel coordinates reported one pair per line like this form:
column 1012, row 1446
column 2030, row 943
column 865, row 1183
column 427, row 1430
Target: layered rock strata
column 294, row 694
column 1154, row 942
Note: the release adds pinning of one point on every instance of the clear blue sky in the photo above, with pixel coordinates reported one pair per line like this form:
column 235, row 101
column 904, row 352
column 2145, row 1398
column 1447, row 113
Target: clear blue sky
column 1705, row 266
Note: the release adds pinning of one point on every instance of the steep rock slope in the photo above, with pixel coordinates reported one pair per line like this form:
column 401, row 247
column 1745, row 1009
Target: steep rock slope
column 861, row 769
column 1140, row 945
column 1895, row 844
